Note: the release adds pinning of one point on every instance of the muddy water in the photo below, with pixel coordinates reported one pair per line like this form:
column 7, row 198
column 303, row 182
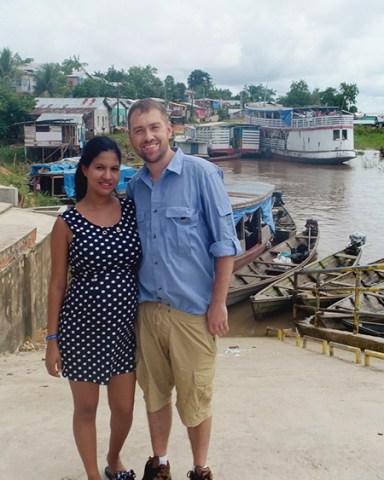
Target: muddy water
column 343, row 199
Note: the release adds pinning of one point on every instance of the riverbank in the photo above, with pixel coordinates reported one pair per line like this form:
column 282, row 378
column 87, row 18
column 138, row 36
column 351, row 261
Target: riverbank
column 280, row 412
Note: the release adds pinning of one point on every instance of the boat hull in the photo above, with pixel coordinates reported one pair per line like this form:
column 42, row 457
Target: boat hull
column 281, row 293
column 315, row 159
column 269, row 266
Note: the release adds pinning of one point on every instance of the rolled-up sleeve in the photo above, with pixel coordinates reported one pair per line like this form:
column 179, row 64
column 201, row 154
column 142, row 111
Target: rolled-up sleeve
column 226, row 248
column 222, row 223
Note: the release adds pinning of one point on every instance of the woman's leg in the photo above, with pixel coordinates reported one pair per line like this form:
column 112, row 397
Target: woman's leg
column 121, row 396
column 86, row 399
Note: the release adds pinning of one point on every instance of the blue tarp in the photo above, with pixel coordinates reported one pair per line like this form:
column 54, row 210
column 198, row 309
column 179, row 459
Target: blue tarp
column 60, row 166
column 126, row 172
column 266, row 212
column 286, row 117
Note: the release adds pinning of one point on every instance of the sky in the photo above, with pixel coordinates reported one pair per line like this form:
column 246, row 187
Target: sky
column 238, row 42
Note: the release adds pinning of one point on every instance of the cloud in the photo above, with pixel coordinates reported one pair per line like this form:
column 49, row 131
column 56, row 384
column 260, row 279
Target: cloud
column 270, row 42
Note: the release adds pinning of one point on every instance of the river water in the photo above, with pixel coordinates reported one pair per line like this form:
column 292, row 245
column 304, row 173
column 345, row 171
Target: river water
column 343, row 199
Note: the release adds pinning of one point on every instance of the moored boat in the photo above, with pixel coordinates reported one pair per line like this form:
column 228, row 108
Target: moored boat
column 279, row 294
column 274, row 263
column 318, row 135
column 253, row 215
column 219, row 139
column 285, row 226
column 333, row 287
column 340, row 316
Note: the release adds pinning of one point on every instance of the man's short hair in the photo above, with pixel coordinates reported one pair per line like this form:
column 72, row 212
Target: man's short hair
column 145, row 105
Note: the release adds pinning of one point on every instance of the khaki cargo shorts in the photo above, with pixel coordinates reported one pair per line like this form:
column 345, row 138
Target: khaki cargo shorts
column 175, row 349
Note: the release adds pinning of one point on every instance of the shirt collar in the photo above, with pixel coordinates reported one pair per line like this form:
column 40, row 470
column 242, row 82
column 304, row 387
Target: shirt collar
column 175, row 165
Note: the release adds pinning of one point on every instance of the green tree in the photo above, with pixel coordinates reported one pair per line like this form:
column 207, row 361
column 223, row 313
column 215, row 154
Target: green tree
column 221, row 93
column 91, row 87
column 329, row 97
column 14, row 108
column 169, row 88
column 179, row 92
column 70, row 64
column 298, row 95
column 144, row 82
column 9, row 63
column 174, row 92
column 349, row 92
column 51, row 81
column 259, row 93
column 114, row 75
column 200, row 82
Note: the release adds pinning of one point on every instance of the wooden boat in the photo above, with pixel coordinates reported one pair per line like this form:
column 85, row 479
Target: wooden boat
column 279, row 294
column 336, row 322
column 334, row 287
column 253, row 215
column 285, row 226
column 275, row 263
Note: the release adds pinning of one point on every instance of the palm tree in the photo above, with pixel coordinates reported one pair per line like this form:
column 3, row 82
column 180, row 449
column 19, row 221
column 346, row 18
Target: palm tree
column 8, row 63
column 50, row 81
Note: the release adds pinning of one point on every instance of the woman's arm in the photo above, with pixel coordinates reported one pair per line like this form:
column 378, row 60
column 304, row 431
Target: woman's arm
column 61, row 237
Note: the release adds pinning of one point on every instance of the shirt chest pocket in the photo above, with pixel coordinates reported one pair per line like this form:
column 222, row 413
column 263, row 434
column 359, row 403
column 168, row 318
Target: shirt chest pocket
column 182, row 223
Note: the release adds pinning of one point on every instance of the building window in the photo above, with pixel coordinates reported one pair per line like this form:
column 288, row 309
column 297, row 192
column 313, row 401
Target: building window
column 42, row 128
column 336, row 134
column 345, row 135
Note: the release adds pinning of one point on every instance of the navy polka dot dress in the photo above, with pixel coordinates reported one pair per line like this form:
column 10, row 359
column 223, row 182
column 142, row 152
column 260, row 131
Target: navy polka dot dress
column 97, row 319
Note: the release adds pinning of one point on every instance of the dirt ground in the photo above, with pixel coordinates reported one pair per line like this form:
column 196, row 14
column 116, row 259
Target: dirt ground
column 281, row 412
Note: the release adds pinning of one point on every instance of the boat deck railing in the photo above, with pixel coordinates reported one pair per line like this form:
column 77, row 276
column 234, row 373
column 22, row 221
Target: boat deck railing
column 357, row 289
column 304, row 122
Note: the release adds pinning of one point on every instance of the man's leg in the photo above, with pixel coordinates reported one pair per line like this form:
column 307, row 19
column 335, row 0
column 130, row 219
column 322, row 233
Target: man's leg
column 160, row 423
column 199, row 437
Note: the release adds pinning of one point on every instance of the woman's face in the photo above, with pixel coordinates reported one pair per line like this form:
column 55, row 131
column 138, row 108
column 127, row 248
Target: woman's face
column 103, row 173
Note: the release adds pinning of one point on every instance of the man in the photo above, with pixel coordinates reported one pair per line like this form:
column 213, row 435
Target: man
column 189, row 242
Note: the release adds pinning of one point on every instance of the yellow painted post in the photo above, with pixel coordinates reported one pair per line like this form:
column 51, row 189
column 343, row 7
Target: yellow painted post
column 315, row 339
column 349, row 348
column 275, row 330
column 372, row 353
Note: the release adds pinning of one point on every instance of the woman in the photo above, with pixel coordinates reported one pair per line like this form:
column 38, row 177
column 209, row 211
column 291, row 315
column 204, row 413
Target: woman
column 91, row 334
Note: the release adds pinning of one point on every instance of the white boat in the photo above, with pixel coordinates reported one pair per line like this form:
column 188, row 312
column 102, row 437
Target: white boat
column 318, row 135
column 219, row 139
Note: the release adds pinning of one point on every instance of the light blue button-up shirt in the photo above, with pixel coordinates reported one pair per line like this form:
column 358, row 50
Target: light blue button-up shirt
column 185, row 220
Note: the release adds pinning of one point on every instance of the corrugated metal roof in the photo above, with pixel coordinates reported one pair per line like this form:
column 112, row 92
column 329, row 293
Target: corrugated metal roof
column 73, row 117
column 63, row 103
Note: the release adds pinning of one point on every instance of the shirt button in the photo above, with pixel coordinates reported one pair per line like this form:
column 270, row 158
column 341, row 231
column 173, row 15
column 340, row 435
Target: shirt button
column 154, row 236
column 156, row 263
column 155, row 211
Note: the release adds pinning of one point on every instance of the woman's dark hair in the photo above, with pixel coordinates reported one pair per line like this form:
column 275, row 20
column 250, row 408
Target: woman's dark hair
column 91, row 150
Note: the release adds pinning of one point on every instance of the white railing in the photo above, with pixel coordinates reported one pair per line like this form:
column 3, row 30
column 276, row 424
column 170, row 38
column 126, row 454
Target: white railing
column 304, row 122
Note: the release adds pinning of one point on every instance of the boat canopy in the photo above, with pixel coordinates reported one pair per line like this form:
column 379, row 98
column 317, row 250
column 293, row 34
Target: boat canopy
column 247, row 198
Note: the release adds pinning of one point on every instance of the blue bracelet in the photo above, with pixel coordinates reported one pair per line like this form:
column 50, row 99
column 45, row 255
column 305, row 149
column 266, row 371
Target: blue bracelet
column 52, row 337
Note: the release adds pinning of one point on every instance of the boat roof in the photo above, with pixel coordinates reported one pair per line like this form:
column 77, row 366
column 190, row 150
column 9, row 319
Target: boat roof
column 245, row 194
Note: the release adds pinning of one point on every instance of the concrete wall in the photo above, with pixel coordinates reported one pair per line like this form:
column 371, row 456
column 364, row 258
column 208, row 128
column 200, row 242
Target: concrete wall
column 12, row 328
column 23, row 299
column 25, row 264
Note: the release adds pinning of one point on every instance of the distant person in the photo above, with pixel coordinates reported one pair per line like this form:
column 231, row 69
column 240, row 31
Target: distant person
column 91, row 331
column 189, row 242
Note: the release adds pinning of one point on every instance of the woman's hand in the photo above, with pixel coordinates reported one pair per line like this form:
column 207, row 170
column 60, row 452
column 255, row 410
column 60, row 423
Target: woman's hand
column 53, row 361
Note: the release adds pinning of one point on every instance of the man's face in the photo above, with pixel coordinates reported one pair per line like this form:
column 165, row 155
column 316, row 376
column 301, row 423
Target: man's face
column 149, row 135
